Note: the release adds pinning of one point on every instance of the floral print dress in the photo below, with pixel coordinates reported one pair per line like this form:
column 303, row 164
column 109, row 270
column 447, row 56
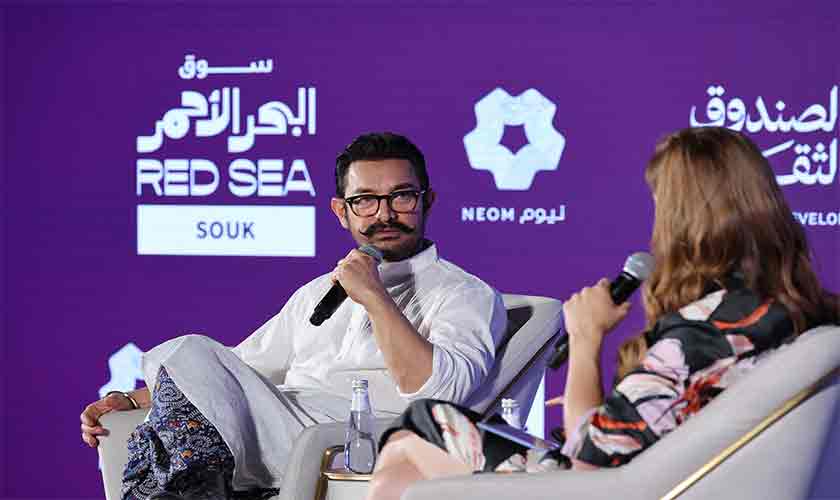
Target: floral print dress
column 693, row 355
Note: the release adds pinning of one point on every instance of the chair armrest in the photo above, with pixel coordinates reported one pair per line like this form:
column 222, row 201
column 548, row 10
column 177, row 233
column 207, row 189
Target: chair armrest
column 113, row 448
column 304, row 466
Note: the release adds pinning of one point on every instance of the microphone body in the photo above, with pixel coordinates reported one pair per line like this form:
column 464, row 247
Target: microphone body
column 336, row 294
column 328, row 304
column 623, row 287
column 637, row 268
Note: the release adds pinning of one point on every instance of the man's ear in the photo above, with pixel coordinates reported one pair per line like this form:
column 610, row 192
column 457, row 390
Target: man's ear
column 429, row 199
column 339, row 208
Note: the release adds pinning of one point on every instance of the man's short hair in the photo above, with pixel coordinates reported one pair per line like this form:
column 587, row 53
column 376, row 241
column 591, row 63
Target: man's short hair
column 379, row 146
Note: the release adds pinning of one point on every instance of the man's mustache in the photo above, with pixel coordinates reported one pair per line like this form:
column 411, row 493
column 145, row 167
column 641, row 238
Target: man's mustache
column 379, row 226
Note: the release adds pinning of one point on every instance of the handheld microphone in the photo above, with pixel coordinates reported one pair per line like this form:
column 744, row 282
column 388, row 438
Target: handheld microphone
column 637, row 268
column 336, row 295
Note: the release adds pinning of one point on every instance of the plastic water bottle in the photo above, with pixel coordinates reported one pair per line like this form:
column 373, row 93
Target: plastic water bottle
column 359, row 447
column 510, row 412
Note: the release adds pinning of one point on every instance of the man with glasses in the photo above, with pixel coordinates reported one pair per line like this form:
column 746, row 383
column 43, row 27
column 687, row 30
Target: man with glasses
column 416, row 326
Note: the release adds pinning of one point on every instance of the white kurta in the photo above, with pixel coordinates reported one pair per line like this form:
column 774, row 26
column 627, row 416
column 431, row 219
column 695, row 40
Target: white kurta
column 289, row 374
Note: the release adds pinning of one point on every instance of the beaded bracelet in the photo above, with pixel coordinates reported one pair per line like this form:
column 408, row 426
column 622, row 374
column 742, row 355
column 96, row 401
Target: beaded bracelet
column 134, row 405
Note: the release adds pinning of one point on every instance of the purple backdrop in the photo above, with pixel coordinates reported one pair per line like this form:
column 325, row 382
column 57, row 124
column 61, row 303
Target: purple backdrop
column 82, row 83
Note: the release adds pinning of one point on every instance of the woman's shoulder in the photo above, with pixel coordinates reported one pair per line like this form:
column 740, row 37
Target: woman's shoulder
column 737, row 314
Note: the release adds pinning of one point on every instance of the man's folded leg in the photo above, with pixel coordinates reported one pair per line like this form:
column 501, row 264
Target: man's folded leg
column 178, row 452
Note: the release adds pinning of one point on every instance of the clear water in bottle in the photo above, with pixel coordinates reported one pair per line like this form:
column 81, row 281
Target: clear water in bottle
column 359, row 446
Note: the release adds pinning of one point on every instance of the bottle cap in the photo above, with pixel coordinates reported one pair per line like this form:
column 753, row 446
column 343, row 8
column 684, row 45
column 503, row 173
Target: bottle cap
column 509, row 403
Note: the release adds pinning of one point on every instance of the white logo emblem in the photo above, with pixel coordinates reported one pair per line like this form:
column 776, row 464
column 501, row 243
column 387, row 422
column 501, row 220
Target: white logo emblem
column 514, row 171
column 125, row 368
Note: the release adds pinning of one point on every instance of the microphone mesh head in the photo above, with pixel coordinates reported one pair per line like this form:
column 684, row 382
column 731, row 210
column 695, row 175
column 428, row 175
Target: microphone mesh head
column 372, row 251
column 639, row 265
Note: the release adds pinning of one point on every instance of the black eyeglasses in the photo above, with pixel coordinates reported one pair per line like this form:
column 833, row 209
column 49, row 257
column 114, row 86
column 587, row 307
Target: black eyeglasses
column 401, row 202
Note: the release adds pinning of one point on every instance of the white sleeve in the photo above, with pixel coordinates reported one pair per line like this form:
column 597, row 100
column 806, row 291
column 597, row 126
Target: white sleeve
column 464, row 334
column 270, row 349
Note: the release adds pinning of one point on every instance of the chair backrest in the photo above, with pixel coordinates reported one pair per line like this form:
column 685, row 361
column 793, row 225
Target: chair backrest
column 778, row 463
column 783, row 458
column 532, row 324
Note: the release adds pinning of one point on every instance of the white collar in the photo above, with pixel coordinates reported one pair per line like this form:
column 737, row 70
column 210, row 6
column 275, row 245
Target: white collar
column 393, row 273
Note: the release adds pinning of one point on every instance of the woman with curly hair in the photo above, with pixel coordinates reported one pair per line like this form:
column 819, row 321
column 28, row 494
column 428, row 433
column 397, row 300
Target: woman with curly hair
column 733, row 280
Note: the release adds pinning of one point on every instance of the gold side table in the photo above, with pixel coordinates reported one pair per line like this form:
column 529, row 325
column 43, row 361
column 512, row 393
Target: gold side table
column 331, row 474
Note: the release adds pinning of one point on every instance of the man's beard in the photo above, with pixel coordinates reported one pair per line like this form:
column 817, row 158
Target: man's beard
column 398, row 253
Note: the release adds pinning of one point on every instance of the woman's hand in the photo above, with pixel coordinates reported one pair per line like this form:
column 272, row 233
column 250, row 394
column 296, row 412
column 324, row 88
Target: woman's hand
column 590, row 314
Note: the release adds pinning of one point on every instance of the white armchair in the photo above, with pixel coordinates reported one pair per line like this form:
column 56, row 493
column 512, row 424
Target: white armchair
column 533, row 323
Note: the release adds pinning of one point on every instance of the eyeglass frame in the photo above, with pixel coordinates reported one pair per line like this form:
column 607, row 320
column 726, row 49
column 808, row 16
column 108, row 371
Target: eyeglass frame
column 389, row 199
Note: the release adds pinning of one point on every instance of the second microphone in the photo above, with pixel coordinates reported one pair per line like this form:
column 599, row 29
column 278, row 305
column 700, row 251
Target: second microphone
column 637, row 268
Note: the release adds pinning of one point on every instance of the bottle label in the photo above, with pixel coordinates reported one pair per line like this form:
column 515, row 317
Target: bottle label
column 360, row 403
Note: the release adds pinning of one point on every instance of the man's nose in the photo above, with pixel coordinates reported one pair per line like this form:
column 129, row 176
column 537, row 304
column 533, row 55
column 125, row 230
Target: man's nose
column 384, row 212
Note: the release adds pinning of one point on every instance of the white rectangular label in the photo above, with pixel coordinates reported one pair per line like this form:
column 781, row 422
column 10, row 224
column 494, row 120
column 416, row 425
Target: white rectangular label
column 258, row 230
